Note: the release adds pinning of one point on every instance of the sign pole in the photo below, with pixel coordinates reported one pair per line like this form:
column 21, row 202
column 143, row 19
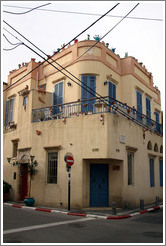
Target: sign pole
column 69, row 179
column 68, row 158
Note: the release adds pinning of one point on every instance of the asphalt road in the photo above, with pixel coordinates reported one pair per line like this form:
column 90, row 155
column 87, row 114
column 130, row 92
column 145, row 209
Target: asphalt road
column 30, row 226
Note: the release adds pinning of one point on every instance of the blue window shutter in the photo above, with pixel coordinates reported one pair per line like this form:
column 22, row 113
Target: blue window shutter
column 157, row 117
column 161, row 173
column 111, row 91
column 114, row 91
column 84, row 93
column 60, row 100
column 89, row 83
column 139, row 105
column 55, row 96
column 7, row 113
column 157, row 122
column 54, row 103
column 148, row 110
column 92, row 85
column 11, row 109
column 151, row 172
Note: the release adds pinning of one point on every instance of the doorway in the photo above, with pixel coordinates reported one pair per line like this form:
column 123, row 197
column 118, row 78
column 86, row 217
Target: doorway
column 99, row 192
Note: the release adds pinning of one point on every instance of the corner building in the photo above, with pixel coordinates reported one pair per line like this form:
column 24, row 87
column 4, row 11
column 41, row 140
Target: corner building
column 114, row 134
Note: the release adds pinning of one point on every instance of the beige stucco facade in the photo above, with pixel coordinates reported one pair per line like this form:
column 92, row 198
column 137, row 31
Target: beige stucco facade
column 103, row 138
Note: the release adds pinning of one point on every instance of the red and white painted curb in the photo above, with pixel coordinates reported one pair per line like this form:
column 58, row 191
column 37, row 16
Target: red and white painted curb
column 88, row 215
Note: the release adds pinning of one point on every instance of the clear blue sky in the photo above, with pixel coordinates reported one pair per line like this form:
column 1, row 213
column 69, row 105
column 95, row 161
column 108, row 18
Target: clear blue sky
column 143, row 39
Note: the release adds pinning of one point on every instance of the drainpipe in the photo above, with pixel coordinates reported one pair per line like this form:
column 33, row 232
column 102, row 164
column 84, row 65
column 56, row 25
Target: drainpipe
column 37, row 80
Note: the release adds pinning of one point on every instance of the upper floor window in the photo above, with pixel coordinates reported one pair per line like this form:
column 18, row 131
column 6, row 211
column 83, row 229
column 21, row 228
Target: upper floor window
column 139, row 105
column 57, row 97
column 9, row 113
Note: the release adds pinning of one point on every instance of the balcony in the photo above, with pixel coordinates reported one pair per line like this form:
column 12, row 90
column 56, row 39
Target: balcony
column 96, row 106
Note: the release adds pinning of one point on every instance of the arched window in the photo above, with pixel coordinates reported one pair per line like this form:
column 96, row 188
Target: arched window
column 149, row 146
column 161, row 149
column 156, row 147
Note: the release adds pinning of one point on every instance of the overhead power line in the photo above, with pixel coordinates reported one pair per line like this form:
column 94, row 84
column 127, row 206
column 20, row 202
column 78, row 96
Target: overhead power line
column 85, row 13
column 70, row 40
column 51, row 57
column 92, row 92
column 12, row 48
column 16, row 45
column 9, row 41
column 54, row 60
column 8, row 12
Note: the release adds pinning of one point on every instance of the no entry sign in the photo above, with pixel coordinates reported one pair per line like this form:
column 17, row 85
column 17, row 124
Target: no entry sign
column 70, row 160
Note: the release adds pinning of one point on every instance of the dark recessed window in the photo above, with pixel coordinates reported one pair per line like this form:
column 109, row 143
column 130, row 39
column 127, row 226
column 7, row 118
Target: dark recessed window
column 149, row 146
column 15, row 149
column 130, row 160
column 156, row 147
column 52, row 167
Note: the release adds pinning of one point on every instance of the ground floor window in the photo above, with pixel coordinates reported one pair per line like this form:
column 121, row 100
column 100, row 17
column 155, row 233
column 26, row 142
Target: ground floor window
column 52, row 167
column 130, row 160
column 151, row 172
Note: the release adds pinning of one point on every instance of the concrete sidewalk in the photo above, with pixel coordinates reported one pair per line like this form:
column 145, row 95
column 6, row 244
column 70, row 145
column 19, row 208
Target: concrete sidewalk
column 104, row 213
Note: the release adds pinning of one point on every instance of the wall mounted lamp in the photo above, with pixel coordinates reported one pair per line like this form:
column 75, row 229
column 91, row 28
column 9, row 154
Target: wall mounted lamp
column 8, row 159
column 32, row 157
column 105, row 82
column 69, row 84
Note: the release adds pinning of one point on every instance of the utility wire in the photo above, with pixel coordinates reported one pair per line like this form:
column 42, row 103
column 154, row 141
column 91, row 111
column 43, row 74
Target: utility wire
column 54, row 60
column 73, row 38
column 9, row 41
column 84, row 13
column 12, row 48
column 82, row 54
column 92, row 92
column 8, row 12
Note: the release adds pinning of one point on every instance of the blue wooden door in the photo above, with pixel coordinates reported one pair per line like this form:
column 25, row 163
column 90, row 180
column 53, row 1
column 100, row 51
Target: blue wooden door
column 151, row 172
column 161, row 173
column 99, row 185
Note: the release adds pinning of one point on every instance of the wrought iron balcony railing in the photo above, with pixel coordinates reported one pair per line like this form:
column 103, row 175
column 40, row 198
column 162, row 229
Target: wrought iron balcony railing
column 96, row 106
